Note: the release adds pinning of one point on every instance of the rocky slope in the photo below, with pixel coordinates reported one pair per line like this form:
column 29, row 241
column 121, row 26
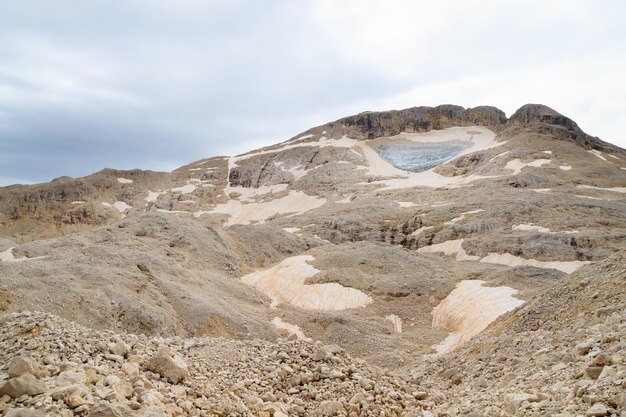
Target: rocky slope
column 548, row 358
column 380, row 233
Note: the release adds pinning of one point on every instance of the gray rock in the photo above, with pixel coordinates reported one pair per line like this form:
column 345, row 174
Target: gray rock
column 169, row 365
column 110, row 410
column 22, row 365
column 23, row 412
column 597, row 410
column 25, row 384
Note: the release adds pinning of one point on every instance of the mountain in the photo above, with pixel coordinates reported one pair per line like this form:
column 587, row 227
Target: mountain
column 439, row 253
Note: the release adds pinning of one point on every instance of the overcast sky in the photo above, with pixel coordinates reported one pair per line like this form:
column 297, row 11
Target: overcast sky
column 156, row 84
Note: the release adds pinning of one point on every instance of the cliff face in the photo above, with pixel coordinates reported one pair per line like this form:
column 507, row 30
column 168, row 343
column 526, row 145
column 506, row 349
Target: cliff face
column 544, row 120
column 369, row 125
column 530, row 117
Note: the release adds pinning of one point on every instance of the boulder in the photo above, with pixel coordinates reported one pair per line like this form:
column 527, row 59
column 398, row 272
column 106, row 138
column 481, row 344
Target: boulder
column 110, row 410
column 23, row 384
column 23, row 412
column 169, row 365
column 22, row 365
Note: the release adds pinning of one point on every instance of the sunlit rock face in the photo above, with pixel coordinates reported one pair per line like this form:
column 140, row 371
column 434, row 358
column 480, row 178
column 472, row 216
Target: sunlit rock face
column 418, row 157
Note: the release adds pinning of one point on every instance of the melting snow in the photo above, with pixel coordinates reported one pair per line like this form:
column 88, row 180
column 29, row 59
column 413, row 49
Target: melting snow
column 455, row 248
column 284, row 283
column 450, row 248
column 296, row 202
column 153, row 196
column 517, row 165
column 124, row 181
column 565, row 167
column 121, row 206
column 422, row 229
column 612, row 189
column 396, row 321
column 531, row 227
column 249, row 193
column 291, row 329
column 8, row 256
column 185, row 189
column 597, row 154
column 511, row 260
column 469, row 309
column 499, row 155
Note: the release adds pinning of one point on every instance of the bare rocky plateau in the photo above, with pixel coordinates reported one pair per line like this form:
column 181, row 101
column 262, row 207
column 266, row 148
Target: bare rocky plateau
column 316, row 277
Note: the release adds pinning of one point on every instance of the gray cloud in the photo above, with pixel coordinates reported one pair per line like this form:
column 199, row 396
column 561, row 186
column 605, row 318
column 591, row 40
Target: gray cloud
column 154, row 85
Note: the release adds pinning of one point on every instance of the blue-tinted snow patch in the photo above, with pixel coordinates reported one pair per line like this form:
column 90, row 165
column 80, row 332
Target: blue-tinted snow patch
column 418, row 157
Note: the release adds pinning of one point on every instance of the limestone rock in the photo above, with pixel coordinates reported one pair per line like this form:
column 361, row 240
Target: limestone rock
column 22, row 365
column 23, row 412
column 110, row 410
column 597, row 410
column 168, row 364
column 25, row 384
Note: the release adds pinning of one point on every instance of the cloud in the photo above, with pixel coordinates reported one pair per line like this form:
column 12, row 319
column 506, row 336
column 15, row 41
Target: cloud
column 156, row 84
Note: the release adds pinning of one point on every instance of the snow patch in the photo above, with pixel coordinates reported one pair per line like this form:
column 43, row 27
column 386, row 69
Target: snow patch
column 422, row 229
column 248, row 194
column 121, row 206
column 8, row 256
column 396, row 321
column 406, row 204
column 462, row 216
column 499, row 155
column 612, row 189
column 295, row 203
column 565, row 167
column 531, row 227
column 284, row 283
column 154, row 195
column 345, row 200
column 291, row 229
column 450, row 248
column 597, row 154
column 77, row 202
column 511, row 260
column 517, row 165
column 291, row 329
column 455, row 248
column 184, row 189
column 124, row 181
column 469, row 309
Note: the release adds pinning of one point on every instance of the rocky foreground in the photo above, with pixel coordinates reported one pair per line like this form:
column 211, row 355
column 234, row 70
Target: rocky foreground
column 55, row 367
column 552, row 357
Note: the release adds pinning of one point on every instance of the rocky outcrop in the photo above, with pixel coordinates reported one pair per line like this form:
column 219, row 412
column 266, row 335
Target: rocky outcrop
column 369, row 125
column 544, row 120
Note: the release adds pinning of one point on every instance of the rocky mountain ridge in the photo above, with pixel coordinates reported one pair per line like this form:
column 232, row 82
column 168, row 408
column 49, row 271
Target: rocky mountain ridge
column 401, row 237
